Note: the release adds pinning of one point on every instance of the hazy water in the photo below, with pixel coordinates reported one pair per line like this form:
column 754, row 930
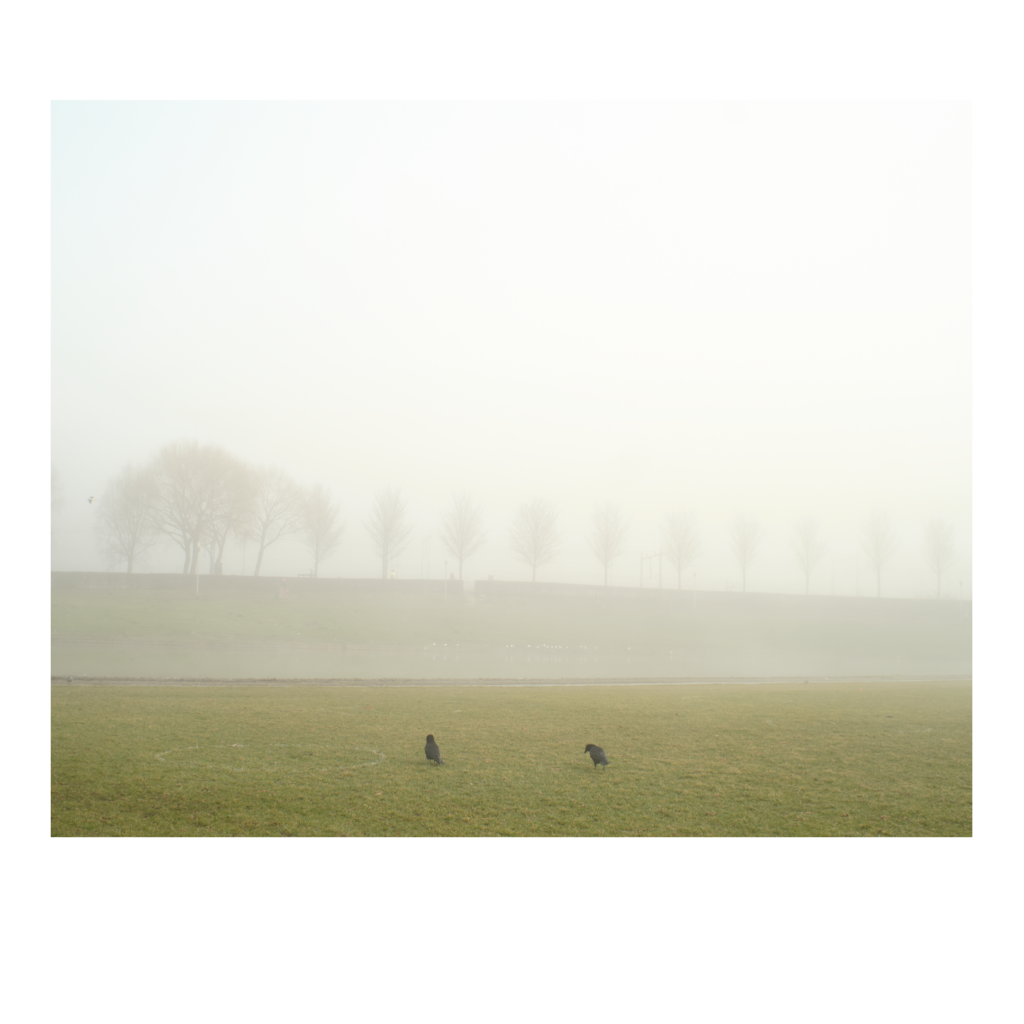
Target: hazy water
column 285, row 661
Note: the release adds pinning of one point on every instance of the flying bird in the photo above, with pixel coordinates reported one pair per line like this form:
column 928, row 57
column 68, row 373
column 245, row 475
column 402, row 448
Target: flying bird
column 597, row 755
column 91, row 500
column 432, row 750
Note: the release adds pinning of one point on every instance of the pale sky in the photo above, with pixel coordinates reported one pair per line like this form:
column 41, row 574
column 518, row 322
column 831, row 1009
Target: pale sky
column 736, row 308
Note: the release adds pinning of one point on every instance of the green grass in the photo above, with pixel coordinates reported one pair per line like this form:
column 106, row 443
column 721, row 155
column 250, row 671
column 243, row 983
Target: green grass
column 355, row 619
column 780, row 759
column 923, row 633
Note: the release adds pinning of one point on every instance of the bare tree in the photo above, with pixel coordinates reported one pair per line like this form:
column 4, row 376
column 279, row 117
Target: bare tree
column 192, row 495
column 807, row 549
column 125, row 528
column 275, row 510
column 177, row 494
column 680, row 543
column 462, row 529
column 533, row 535
column 608, row 536
column 231, row 503
column 938, row 548
column 321, row 531
column 878, row 544
column 387, row 526
column 746, row 535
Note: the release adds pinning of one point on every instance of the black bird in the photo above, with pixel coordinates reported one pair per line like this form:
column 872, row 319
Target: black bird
column 597, row 755
column 432, row 750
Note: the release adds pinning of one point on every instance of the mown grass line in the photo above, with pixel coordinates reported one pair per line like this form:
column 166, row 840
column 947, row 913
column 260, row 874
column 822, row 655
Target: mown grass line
column 774, row 759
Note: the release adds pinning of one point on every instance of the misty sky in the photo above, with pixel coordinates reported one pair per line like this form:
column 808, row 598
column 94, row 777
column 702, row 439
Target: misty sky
column 722, row 308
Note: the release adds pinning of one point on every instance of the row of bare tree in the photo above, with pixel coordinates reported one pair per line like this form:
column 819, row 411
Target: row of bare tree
column 534, row 539
column 197, row 495
column 878, row 544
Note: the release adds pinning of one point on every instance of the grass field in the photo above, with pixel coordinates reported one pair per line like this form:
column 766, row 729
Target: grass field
column 824, row 759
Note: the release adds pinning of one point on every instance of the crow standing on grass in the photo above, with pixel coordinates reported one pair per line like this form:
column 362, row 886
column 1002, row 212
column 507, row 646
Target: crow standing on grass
column 597, row 755
column 432, row 750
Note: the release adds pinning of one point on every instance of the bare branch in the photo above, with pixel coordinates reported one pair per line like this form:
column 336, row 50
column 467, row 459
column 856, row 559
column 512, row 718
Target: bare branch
column 746, row 535
column 387, row 526
column 321, row 531
column 878, row 544
column 231, row 501
column 680, row 542
column 124, row 526
column 276, row 510
column 195, row 488
column 462, row 529
column 807, row 549
column 533, row 535
column 608, row 536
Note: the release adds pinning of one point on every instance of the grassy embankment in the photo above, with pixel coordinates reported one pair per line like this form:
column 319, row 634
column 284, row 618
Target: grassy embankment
column 718, row 623
column 781, row 759
column 353, row 619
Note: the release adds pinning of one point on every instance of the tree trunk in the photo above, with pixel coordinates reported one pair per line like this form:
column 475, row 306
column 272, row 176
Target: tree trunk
column 606, row 575
column 220, row 550
column 195, row 556
column 131, row 558
column 263, row 547
column 533, row 578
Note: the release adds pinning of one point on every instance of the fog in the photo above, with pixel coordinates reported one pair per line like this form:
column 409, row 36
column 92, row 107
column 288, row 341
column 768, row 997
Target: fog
column 721, row 309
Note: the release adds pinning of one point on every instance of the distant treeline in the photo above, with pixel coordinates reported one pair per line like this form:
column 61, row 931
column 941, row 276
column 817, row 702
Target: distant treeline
column 197, row 495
